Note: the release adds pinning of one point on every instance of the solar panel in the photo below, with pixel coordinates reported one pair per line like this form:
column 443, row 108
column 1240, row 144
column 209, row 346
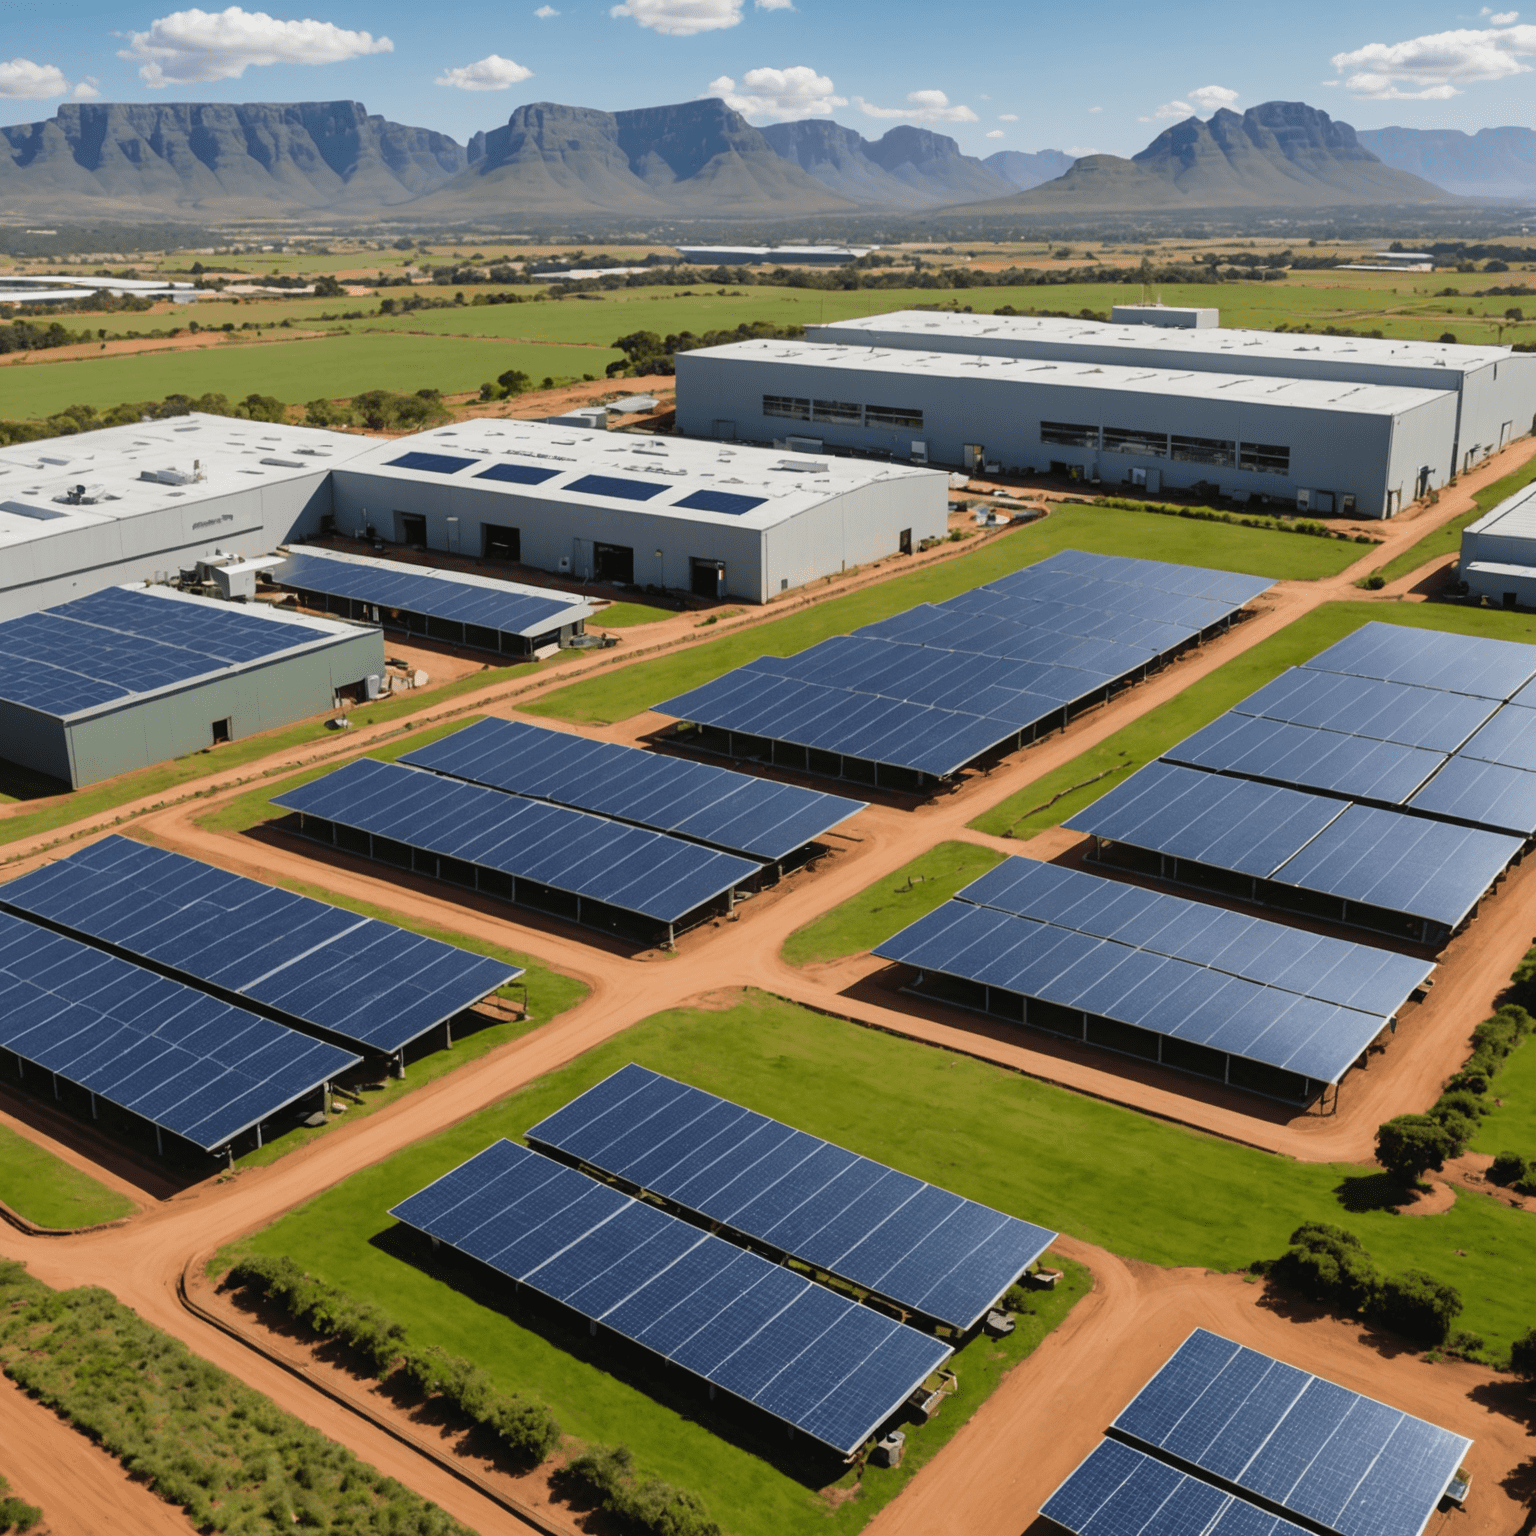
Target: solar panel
column 518, row 474
column 729, row 502
column 1433, row 658
column 660, row 877
column 1488, row 795
column 711, row 805
column 619, row 488
column 431, row 463
column 200, row 1068
column 1509, row 738
column 365, row 981
column 911, row 1242
column 1327, row 1455
column 826, row 1366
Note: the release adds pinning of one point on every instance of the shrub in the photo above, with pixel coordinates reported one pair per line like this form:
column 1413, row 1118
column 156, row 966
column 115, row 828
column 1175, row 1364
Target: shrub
column 600, row 1473
column 1374, row 582
column 1474, row 1081
column 604, row 1476
column 1460, row 1101
column 1418, row 1306
column 1522, row 1357
column 1409, row 1145
column 1509, row 1168
column 16, row 1514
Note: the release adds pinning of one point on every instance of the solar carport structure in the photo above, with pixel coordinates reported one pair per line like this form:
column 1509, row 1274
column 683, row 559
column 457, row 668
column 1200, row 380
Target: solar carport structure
column 1245, row 1002
column 768, row 1337
column 908, row 702
column 599, row 872
column 698, row 801
column 361, row 982
column 1251, row 1429
column 163, row 1052
column 885, row 1233
column 457, row 606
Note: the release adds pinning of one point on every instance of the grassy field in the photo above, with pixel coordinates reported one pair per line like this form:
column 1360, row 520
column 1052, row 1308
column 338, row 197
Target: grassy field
column 616, row 696
column 1055, row 796
column 46, row 1190
column 1511, row 1126
column 893, row 901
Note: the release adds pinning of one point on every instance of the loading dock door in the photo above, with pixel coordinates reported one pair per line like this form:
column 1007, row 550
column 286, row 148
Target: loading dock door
column 413, row 528
column 501, row 543
column 707, row 578
column 613, row 562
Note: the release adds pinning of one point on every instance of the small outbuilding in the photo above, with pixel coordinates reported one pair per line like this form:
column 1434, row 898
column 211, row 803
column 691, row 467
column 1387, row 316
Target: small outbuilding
column 1498, row 552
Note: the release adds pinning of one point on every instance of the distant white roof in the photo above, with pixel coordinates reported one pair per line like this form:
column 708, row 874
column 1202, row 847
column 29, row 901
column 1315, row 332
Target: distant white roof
column 1513, row 518
column 781, row 252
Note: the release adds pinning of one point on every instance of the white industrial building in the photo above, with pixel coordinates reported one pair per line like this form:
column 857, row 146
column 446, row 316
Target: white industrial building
column 716, row 519
column 1366, row 450
column 1494, row 387
column 1498, row 552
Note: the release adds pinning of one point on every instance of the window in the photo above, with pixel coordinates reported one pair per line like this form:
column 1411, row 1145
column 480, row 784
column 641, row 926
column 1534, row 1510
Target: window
column 1068, row 434
column 787, row 407
column 1265, row 458
column 843, row 412
column 1204, row 450
column 1134, row 440
column 893, row 416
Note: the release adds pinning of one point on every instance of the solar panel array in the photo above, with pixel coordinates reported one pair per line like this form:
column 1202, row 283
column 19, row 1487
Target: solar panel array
column 121, row 641
column 934, row 687
column 1316, row 1450
column 182, row 1060
column 735, row 811
column 660, row 877
column 796, row 1350
column 362, row 980
column 436, row 594
column 909, row 1241
column 1195, row 973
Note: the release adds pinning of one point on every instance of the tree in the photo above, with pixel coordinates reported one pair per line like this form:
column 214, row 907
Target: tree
column 1419, row 1306
column 328, row 288
column 1409, row 1145
column 1522, row 1357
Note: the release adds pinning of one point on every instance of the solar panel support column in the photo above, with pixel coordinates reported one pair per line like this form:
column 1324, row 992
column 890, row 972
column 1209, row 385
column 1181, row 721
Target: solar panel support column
column 93, row 1106
column 159, row 1142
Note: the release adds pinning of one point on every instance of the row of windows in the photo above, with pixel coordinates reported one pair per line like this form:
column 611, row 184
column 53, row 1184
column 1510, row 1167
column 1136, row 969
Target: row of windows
column 1223, row 453
column 842, row 413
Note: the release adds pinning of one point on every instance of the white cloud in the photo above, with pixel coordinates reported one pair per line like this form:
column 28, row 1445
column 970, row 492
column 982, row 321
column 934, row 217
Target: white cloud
column 1078, row 152
column 775, row 5
column 1207, row 98
column 781, row 93
column 1095, row 109
column 997, row 133
column 681, row 18
column 1007, row 117
column 22, row 80
column 544, row 12
column 1170, row 109
column 87, row 90
column 492, row 73
column 1439, row 63
column 1499, row 18
column 191, row 46
column 922, row 107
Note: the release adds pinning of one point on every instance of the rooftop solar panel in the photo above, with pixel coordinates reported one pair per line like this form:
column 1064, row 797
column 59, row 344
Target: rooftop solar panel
column 712, row 805
column 517, row 474
column 850, row 1216
column 200, row 1068
column 620, row 488
column 1327, row 1455
column 589, row 856
column 364, row 981
column 431, row 463
column 1489, row 795
column 800, row 1352
column 1432, row 658
column 730, row 503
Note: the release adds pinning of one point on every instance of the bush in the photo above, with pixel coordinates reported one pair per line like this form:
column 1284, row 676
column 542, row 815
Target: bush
column 1418, row 1306
column 1474, row 1081
column 16, row 1514
column 1374, row 582
column 1408, row 1146
column 600, row 1473
column 604, row 1476
column 1522, row 1357
column 1509, row 1168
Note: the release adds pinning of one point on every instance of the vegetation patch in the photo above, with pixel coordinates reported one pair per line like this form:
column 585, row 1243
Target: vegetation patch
column 1307, row 527
column 47, row 1191
column 16, row 1514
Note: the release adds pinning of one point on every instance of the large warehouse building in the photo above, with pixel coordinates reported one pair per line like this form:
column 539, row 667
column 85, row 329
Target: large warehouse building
column 1495, row 388
column 1367, row 450
column 1498, row 552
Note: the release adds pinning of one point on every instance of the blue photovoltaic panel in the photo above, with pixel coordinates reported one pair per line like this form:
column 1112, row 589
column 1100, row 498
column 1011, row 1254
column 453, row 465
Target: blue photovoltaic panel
column 729, row 502
column 518, row 474
column 432, row 463
column 1508, row 738
column 615, row 486
column 850, row 1216
column 1325, row 1454
column 639, row 871
column 437, row 594
column 363, row 980
column 1432, row 658
column 1486, row 794
column 183, row 1060
column 729, row 810
column 1120, row 1491
column 811, row 1358
column 1229, row 587
column 123, row 641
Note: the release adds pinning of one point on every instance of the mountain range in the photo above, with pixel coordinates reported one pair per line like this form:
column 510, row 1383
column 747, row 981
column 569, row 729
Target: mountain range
column 701, row 159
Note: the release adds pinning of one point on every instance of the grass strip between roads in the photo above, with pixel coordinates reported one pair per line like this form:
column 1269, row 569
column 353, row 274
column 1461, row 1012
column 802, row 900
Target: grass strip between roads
column 47, row 1191
column 1510, row 1126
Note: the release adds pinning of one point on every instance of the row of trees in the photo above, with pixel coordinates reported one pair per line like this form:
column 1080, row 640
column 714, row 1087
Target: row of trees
column 647, row 352
column 86, row 418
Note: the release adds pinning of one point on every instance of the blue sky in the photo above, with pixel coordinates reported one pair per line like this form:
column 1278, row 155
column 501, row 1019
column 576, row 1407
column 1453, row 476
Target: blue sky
column 994, row 74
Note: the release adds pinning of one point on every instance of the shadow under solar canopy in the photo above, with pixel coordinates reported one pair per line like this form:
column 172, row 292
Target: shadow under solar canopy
column 805, row 1355
column 365, row 982
column 187, row 1063
column 902, row 1239
column 734, row 811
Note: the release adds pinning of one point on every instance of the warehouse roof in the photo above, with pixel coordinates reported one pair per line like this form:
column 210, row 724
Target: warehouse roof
column 1513, row 518
column 1332, row 395
column 705, row 482
column 1178, row 342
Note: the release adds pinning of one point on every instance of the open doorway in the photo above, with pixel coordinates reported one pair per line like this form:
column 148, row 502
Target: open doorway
column 413, row 529
column 706, row 578
column 904, row 543
column 501, row 543
column 613, row 562
column 220, row 731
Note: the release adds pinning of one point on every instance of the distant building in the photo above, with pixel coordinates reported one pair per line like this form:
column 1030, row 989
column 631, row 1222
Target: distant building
column 1498, row 552
column 778, row 255
column 1168, row 315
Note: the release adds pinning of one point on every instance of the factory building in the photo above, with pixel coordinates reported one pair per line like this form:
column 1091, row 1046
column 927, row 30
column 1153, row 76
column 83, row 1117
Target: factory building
column 716, row 519
column 151, row 499
column 1494, row 388
column 776, row 255
column 1365, row 450
column 1498, row 552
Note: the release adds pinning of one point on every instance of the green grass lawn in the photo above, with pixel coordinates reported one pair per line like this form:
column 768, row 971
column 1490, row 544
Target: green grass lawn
column 48, row 1191
column 1511, row 1127
column 628, row 615
column 893, row 901
column 617, row 695
column 1138, row 1186
column 1055, row 796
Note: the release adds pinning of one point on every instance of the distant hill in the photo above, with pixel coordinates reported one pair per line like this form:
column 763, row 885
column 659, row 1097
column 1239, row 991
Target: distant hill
column 1283, row 154
column 1023, row 170
column 1493, row 162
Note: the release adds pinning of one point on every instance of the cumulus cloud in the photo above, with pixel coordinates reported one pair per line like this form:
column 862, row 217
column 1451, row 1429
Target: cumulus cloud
column 780, row 93
column 544, row 12
column 1095, row 109
column 921, row 107
column 22, row 80
column 1499, row 18
column 775, row 5
column 1207, row 98
column 681, row 18
column 191, row 46
column 1078, row 151
column 88, row 89
column 1436, row 66
column 492, row 73
column 997, row 133
column 1007, row 117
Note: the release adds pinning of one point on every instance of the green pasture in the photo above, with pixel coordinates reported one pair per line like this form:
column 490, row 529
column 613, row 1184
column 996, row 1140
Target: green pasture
column 47, row 1190
column 1511, row 1125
